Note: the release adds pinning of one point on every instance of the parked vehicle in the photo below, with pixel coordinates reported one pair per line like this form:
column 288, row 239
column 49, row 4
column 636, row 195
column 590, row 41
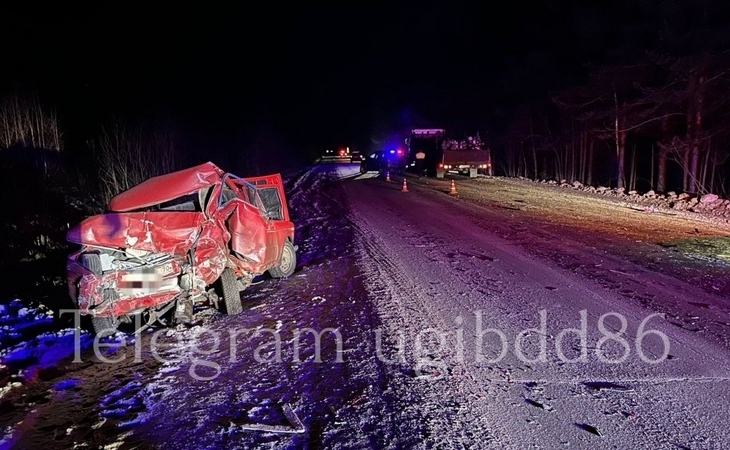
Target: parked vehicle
column 340, row 156
column 194, row 236
column 464, row 162
column 429, row 142
column 469, row 156
column 355, row 156
column 393, row 161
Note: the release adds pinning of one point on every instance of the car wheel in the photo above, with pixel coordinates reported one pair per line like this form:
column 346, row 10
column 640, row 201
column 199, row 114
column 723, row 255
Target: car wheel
column 231, row 294
column 106, row 326
column 287, row 264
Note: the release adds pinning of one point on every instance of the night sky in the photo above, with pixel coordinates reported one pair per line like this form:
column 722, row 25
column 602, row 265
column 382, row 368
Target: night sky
column 321, row 76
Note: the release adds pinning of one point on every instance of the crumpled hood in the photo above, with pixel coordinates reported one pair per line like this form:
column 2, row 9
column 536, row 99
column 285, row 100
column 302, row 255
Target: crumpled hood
column 151, row 231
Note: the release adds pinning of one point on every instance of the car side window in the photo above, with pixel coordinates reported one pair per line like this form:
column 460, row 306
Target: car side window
column 271, row 203
column 227, row 195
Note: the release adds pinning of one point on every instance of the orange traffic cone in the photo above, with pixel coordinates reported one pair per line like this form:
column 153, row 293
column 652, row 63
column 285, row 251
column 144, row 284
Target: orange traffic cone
column 387, row 177
column 453, row 190
column 405, row 186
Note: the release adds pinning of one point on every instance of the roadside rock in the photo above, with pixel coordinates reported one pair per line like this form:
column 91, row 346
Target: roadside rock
column 709, row 198
column 708, row 207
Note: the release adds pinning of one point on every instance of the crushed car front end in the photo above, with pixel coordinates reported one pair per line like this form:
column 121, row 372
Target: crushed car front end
column 128, row 262
column 119, row 282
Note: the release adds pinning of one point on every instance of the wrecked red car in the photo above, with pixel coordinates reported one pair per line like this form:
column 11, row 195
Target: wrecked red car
column 177, row 240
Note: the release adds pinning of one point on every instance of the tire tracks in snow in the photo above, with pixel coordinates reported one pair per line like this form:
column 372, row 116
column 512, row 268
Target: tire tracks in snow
column 387, row 287
column 358, row 414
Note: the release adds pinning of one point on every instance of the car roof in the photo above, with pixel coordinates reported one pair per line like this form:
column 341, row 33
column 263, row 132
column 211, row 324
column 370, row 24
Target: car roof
column 164, row 188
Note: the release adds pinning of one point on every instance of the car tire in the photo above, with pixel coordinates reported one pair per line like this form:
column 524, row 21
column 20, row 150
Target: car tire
column 287, row 264
column 106, row 326
column 229, row 290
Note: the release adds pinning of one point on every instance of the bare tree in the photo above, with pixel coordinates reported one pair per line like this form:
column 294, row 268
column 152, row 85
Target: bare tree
column 127, row 155
column 25, row 123
column 613, row 105
column 528, row 141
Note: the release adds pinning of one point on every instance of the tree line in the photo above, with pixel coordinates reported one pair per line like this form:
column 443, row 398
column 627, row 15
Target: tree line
column 660, row 124
column 649, row 113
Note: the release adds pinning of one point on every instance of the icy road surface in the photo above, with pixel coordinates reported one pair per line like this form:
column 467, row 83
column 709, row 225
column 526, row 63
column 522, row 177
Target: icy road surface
column 415, row 320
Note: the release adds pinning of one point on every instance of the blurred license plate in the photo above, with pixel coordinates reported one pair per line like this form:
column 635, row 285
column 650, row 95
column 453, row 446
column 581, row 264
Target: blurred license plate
column 167, row 269
column 141, row 281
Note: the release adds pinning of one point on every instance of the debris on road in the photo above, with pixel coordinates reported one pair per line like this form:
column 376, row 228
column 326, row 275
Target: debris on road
column 295, row 425
column 588, row 428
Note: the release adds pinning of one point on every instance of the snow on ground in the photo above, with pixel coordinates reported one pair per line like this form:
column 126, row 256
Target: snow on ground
column 400, row 289
column 31, row 348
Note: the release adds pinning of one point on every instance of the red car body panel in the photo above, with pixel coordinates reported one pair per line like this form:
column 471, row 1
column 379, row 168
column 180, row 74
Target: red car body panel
column 90, row 302
column 166, row 187
column 234, row 230
column 150, row 231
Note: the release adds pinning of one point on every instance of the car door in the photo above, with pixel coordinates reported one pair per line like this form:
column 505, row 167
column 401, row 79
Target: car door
column 248, row 226
column 270, row 192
